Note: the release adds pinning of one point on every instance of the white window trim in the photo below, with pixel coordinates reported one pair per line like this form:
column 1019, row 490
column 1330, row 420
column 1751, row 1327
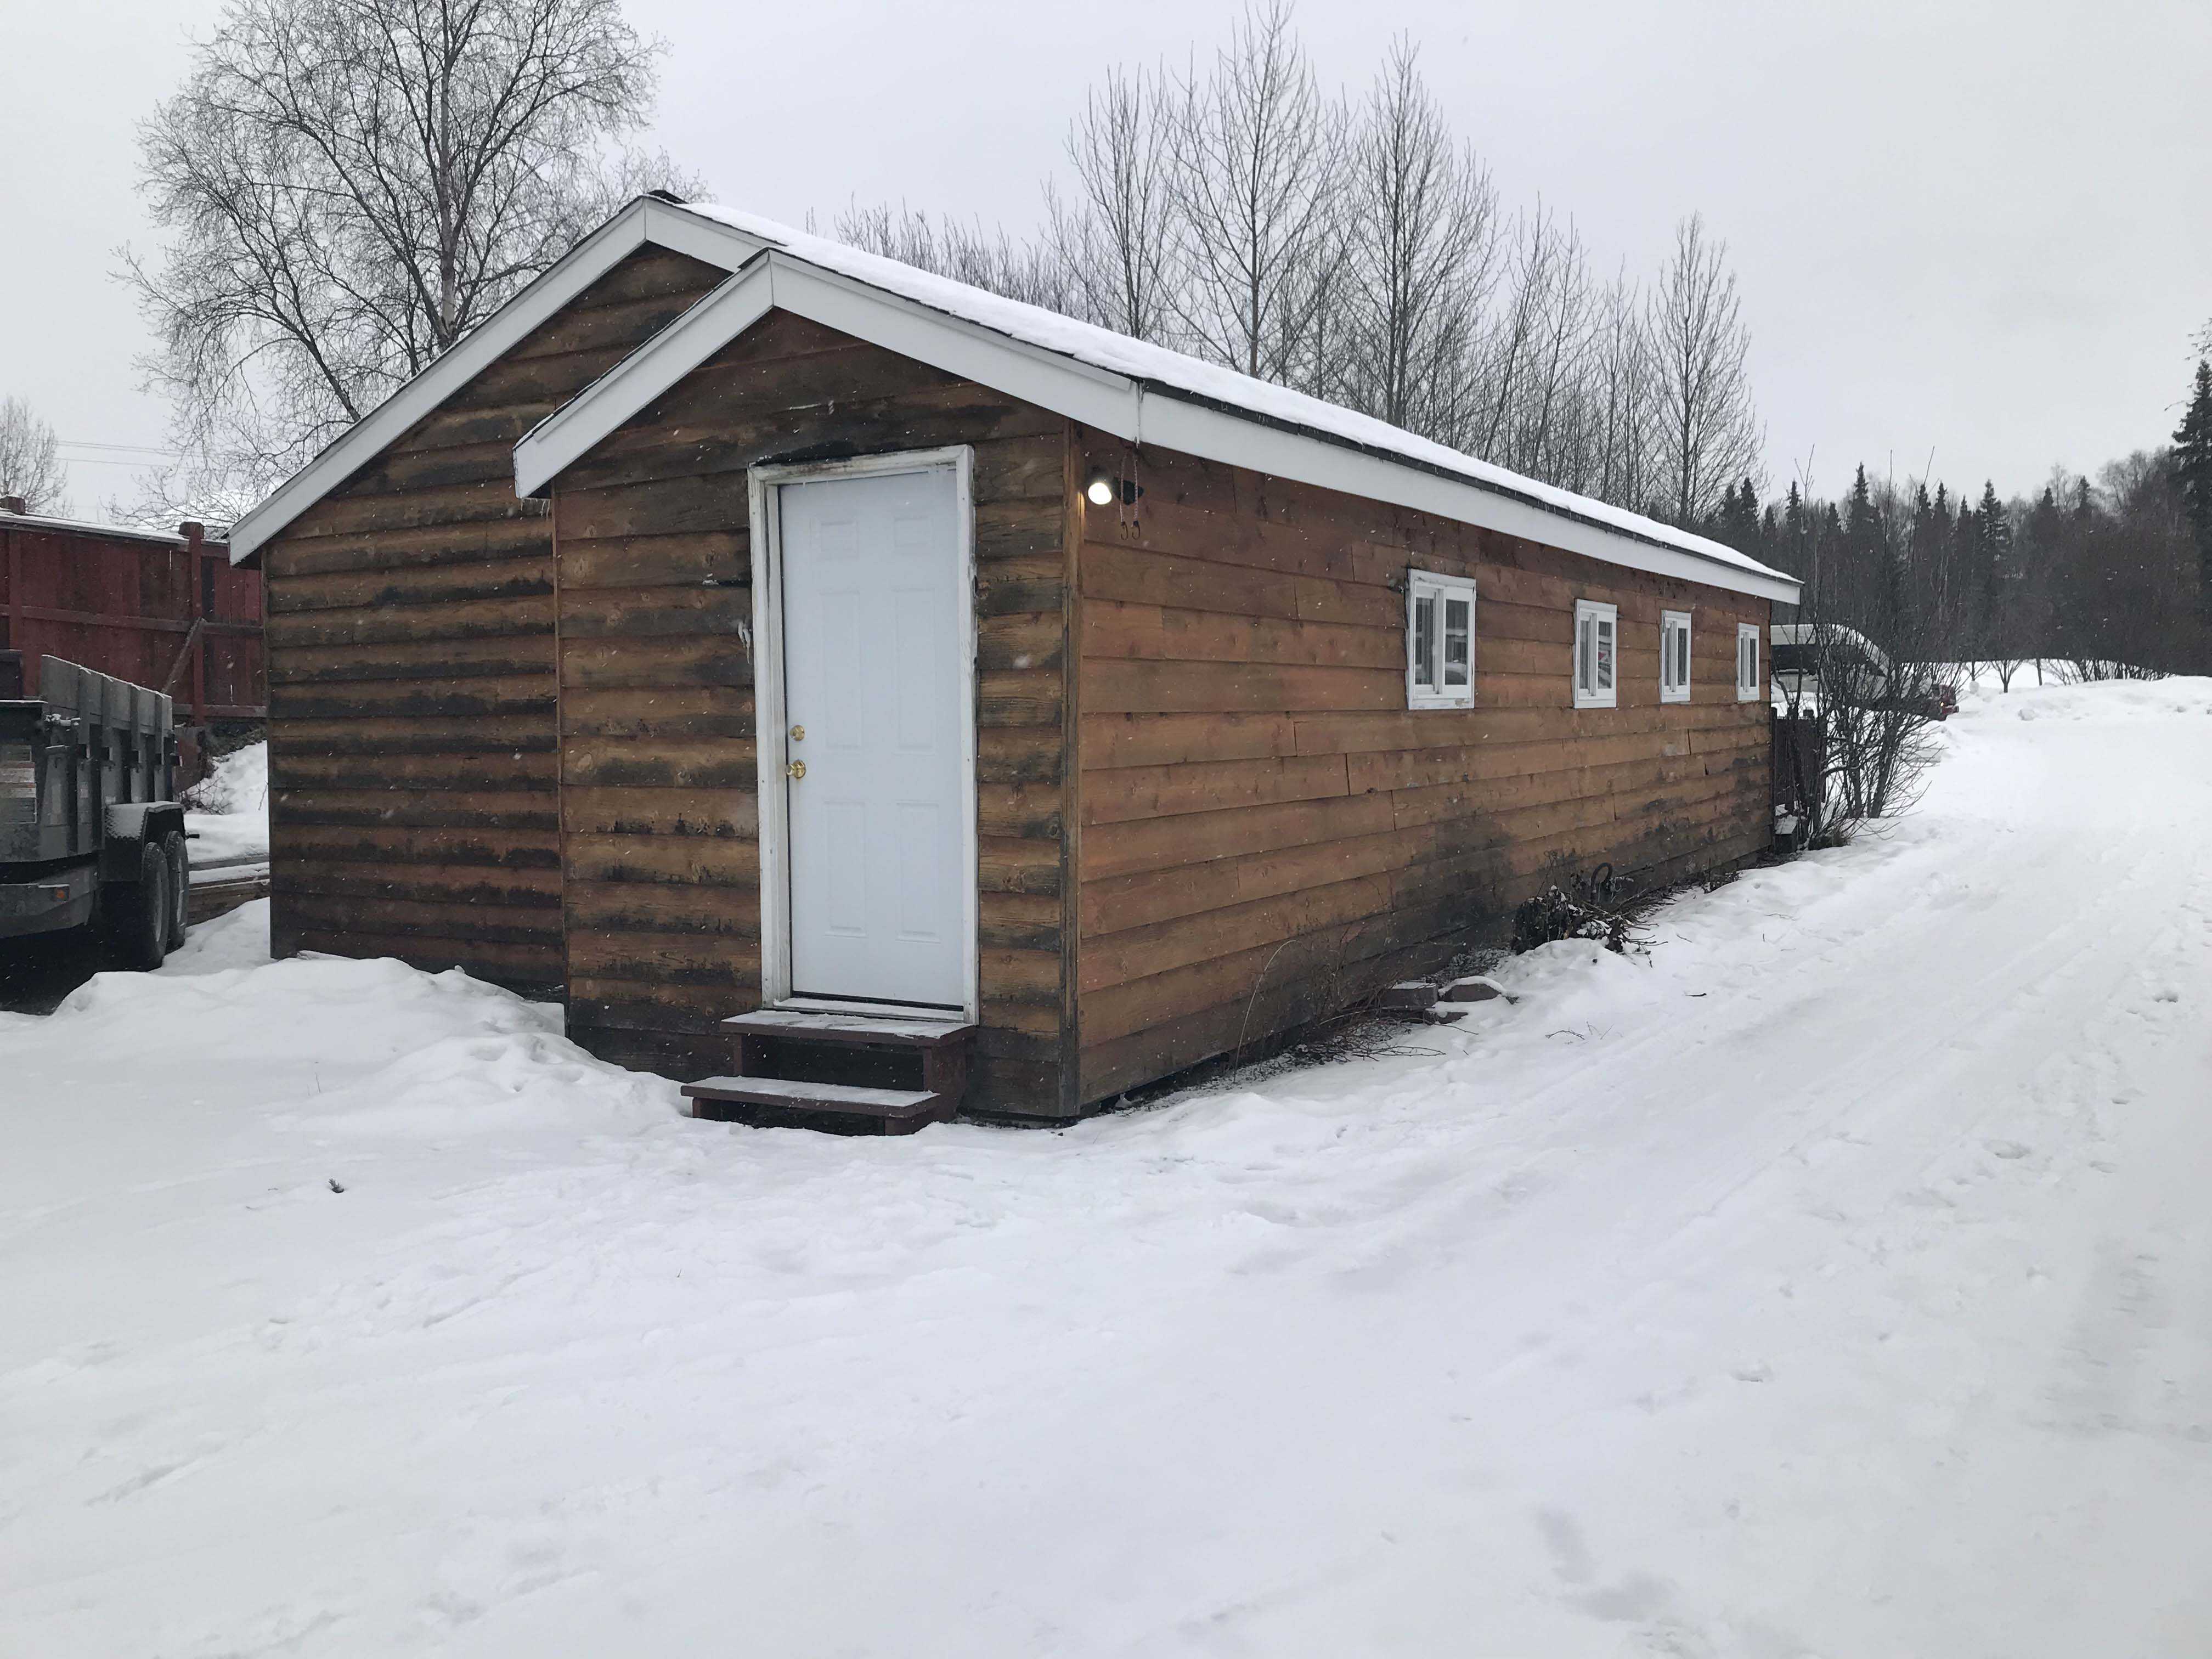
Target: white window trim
column 1747, row 688
column 1672, row 622
column 1595, row 696
column 1422, row 586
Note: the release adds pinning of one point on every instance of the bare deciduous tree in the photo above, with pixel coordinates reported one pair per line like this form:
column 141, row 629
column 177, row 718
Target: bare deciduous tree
column 1710, row 434
column 1031, row 272
column 1117, row 240
column 1621, row 415
column 1422, row 257
column 1259, row 184
column 30, row 458
column 351, row 185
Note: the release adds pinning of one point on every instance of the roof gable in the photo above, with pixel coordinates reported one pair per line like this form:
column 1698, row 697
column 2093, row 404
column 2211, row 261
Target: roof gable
column 645, row 220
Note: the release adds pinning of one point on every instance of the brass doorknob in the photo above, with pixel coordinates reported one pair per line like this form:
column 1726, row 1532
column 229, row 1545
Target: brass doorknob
column 797, row 769
column 798, row 732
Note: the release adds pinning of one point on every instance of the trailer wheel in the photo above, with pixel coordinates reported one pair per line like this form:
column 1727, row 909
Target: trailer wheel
column 139, row 916
column 180, row 887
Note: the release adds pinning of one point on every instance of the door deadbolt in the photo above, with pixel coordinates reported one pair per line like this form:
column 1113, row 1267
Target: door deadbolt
column 797, row 733
column 796, row 770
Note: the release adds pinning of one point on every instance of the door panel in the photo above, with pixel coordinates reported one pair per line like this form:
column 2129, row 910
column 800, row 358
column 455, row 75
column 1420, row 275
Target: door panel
column 873, row 661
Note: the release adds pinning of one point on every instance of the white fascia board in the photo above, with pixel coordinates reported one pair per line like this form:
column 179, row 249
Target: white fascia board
column 708, row 241
column 590, row 259
column 564, row 437
column 772, row 281
column 1066, row 386
column 1196, row 429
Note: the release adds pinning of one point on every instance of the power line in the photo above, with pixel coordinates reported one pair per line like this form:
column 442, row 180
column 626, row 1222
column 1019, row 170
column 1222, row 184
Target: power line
column 135, row 449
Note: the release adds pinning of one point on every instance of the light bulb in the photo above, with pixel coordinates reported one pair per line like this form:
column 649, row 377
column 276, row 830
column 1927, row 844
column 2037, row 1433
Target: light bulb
column 1101, row 491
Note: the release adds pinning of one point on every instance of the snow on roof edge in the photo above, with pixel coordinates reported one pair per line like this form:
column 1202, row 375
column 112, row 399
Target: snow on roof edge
column 1175, row 373
column 92, row 527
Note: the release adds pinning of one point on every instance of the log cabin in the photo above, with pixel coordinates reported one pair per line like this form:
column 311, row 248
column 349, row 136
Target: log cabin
column 864, row 697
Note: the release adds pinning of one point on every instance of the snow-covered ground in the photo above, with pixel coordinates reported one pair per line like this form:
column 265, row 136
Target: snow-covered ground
column 1837, row 1280
column 227, row 811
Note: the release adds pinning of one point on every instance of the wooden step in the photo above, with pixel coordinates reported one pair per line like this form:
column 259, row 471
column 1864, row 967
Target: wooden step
column 839, row 1107
column 861, row 1030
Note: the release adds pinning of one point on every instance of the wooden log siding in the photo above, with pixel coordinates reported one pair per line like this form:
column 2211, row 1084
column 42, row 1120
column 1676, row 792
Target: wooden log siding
column 521, row 741
column 659, row 820
column 413, row 747
column 1267, row 833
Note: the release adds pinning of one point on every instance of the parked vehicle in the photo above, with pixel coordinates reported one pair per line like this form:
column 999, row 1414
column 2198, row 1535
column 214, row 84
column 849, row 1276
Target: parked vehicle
column 1815, row 664
column 91, row 832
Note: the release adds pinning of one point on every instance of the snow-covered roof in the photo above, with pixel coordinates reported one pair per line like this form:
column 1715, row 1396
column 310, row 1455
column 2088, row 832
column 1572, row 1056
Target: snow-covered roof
column 1179, row 374
column 90, row 527
column 1142, row 392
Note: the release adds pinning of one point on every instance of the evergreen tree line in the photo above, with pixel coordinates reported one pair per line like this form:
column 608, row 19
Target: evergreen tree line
column 2107, row 576
column 1356, row 248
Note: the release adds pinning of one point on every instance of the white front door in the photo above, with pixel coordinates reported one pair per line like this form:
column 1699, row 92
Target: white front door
column 874, row 663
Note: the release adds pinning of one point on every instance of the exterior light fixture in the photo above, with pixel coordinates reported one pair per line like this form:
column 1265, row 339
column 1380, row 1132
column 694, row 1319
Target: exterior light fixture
column 1105, row 489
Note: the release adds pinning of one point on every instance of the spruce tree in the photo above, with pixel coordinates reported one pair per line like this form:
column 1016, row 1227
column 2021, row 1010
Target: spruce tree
column 2193, row 473
column 1992, row 546
column 1737, row 524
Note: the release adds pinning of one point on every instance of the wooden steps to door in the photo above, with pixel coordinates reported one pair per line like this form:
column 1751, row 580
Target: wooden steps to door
column 841, row 1073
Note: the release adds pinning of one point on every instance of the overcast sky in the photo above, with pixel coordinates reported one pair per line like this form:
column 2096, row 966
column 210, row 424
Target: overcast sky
column 1980, row 230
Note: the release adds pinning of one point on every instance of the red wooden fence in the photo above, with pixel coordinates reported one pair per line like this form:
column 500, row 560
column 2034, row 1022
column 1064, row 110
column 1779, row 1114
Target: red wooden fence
column 167, row 611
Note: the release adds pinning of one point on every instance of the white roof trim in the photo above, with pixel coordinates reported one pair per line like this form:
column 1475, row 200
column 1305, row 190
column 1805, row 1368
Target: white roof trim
column 562, row 438
column 643, row 220
column 771, row 280
column 1196, row 429
column 1097, row 398
column 1110, row 384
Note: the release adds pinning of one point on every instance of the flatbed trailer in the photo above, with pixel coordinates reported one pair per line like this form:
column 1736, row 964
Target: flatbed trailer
column 91, row 832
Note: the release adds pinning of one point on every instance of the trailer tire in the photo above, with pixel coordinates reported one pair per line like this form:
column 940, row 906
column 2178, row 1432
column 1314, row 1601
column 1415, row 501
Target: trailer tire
column 180, row 887
column 138, row 914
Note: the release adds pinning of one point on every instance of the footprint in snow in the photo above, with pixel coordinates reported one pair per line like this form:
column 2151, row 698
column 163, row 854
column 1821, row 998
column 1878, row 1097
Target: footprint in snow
column 1758, row 1371
column 2006, row 1148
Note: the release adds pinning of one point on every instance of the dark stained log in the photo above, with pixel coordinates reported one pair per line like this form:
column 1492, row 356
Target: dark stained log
column 1269, row 833
column 414, row 741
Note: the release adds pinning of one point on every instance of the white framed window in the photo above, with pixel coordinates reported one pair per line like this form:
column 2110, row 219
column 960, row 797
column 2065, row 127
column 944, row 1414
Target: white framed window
column 1439, row 641
column 1597, row 646
column 1747, row 661
column 1673, row 656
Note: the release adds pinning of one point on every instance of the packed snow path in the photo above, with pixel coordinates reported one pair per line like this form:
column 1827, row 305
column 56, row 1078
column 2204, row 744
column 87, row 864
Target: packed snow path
column 1837, row 1280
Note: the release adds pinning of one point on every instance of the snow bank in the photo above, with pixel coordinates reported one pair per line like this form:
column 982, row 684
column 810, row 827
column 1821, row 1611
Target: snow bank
column 228, row 810
column 239, row 783
column 1835, row 1279
column 2120, row 702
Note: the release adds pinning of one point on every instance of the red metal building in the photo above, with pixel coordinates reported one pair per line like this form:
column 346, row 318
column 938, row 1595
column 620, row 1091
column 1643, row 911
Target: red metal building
column 169, row 612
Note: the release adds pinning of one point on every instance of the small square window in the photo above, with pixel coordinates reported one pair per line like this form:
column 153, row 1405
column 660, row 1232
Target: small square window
column 1439, row 641
column 1597, row 644
column 1674, row 656
column 1747, row 661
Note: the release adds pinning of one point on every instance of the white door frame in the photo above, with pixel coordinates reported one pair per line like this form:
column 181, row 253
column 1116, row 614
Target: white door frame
column 772, row 730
